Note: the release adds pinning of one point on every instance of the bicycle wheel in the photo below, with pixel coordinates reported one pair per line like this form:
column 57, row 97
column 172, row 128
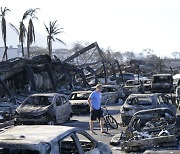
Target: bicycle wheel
column 112, row 121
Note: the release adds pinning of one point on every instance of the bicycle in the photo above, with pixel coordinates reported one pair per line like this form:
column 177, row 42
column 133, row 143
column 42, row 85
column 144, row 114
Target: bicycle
column 109, row 120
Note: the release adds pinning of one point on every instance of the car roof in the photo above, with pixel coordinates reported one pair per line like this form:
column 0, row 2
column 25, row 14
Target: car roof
column 45, row 94
column 162, row 75
column 143, row 95
column 34, row 134
column 75, row 92
column 107, row 85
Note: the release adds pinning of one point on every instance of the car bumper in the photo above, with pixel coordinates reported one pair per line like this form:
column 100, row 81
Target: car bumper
column 125, row 119
column 35, row 120
column 77, row 109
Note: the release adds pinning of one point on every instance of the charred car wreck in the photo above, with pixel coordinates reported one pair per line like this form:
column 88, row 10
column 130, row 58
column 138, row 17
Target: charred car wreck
column 153, row 128
column 138, row 102
column 49, row 140
column 49, row 108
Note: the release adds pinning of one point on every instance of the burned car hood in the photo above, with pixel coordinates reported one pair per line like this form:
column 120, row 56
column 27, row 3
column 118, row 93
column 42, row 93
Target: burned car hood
column 137, row 107
column 27, row 110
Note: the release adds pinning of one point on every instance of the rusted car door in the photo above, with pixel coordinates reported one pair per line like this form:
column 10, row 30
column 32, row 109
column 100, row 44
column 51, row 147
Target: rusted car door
column 63, row 109
column 59, row 109
column 67, row 110
column 104, row 95
column 112, row 95
column 165, row 101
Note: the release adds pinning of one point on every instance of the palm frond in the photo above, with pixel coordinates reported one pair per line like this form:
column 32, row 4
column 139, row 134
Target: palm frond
column 52, row 31
column 14, row 28
column 46, row 28
column 26, row 14
column 60, row 41
column 33, row 13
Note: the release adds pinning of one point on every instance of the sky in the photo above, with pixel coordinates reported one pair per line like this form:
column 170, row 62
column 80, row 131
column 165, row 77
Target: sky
column 122, row 25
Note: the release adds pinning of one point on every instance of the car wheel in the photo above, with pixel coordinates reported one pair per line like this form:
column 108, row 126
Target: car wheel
column 124, row 120
column 17, row 123
column 120, row 101
column 52, row 121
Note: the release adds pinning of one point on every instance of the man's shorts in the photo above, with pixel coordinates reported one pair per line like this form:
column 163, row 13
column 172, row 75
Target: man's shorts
column 94, row 114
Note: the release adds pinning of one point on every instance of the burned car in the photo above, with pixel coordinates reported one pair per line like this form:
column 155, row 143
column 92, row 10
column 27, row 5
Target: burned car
column 162, row 83
column 147, row 85
column 47, row 108
column 46, row 139
column 153, row 128
column 112, row 94
column 7, row 110
column 78, row 100
column 137, row 102
column 134, row 86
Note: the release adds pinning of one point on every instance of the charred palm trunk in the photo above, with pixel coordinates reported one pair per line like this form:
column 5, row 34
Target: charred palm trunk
column 22, row 48
column 50, row 47
column 28, row 45
column 4, row 38
column 5, row 52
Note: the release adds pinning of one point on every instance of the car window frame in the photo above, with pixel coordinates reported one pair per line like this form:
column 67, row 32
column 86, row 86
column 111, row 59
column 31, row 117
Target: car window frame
column 63, row 101
column 56, row 100
column 87, row 136
column 75, row 139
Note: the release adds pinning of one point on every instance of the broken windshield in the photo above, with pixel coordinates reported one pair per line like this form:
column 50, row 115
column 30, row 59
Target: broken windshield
column 38, row 100
column 79, row 96
column 162, row 79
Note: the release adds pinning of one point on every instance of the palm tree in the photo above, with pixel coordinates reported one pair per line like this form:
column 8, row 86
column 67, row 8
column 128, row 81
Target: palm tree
column 22, row 30
column 52, row 31
column 3, row 30
column 31, row 32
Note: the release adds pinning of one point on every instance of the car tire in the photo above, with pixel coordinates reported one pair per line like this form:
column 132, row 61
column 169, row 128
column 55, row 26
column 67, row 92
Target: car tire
column 124, row 120
column 52, row 121
column 120, row 101
column 16, row 123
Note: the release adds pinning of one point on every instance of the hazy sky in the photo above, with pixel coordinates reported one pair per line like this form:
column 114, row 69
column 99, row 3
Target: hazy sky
column 123, row 25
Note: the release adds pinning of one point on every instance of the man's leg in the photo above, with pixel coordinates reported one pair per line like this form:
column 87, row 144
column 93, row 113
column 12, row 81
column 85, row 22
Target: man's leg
column 91, row 125
column 92, row 118
column 102, row 124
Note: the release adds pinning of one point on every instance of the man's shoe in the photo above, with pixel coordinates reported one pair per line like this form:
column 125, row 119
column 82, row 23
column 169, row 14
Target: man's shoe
column 92, row 132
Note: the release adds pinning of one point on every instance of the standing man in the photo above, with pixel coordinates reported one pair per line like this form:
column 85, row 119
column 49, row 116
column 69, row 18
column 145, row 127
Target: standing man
column 94, row 101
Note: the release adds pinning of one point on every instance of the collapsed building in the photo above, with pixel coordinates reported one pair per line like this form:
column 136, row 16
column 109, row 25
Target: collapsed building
column 45, row 74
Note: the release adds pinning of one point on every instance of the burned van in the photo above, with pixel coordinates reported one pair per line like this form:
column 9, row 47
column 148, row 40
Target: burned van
column 162, row 83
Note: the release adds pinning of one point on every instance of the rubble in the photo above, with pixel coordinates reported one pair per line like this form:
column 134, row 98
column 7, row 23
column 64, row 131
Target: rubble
column 152, row 128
